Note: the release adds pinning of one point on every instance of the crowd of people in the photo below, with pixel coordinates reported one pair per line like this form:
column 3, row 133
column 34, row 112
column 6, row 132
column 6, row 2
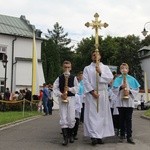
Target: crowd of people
column 98, row 98
column 17, row 95
column 44, row 98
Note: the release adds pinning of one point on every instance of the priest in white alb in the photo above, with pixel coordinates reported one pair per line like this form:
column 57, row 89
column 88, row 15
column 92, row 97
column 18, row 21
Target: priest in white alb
column 97, row 124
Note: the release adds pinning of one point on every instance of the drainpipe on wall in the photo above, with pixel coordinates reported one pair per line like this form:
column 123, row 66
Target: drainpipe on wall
column 12, row 64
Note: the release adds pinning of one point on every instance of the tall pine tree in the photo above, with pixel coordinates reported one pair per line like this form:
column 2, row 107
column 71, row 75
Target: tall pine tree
column 54, row 51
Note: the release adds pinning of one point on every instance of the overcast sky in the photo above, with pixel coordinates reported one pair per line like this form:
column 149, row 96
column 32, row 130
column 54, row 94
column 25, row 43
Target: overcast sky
column 123, row 16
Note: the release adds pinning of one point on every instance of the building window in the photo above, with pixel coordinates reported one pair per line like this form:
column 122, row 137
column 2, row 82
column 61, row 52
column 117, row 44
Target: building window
column 1, row 86
column 1, row 56
column 2, row 51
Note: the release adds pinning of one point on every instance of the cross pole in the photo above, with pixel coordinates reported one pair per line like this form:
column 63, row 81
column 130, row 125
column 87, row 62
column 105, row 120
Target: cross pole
column 96, row 24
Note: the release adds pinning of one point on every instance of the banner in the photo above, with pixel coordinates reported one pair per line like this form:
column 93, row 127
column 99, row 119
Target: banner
column 35, row 86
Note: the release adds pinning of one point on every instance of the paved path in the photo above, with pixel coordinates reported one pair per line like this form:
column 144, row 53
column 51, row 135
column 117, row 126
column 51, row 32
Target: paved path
column 44, row 134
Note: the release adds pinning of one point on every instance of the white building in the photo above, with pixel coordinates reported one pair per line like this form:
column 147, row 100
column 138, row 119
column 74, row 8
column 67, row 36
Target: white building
column 16, row 38
column 144, row 55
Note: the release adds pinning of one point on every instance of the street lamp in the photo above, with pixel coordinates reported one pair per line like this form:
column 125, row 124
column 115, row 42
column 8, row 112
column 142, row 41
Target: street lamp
column 144, row 32
column 5, row 61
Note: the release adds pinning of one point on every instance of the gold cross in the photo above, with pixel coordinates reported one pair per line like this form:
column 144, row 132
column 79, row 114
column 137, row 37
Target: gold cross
column 96, row 25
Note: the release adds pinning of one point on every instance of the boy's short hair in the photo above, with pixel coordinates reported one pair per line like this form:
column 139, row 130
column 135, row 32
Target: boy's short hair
column 95, row 51
column 66, row 62
column 79, row 73
column 114, row 72
column 44, row 84
column 124, row 64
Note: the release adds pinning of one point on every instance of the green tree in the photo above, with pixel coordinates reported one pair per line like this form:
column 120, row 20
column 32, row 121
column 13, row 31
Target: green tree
column 109, row 50
column 58, row 35
column 114, row 51
column 62, row 41
column 50, row 60
column 129, row 55
column 146, row 41
column 54, row 51
column 83, row 54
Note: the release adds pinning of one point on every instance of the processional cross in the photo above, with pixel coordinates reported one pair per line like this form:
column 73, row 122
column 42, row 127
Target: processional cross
column 96, row 24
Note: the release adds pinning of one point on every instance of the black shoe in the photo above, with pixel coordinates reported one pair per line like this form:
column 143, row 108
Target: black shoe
column 65, row 135
column 71, row 138
column 130, row 140
column 65, row 142
column 45, row 115
column 94, row 141
column 117, row 132
column 75, row 138
column 121, row 139
column 99, row 141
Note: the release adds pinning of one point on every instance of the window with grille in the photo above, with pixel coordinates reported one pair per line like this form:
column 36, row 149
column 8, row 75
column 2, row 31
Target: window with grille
column 1, row 86
column 2, row 51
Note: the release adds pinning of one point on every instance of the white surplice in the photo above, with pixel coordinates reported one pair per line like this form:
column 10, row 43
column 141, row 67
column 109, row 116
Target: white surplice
column 125, row 102
column 113, row 102
column 66, row 110
column 97, row 124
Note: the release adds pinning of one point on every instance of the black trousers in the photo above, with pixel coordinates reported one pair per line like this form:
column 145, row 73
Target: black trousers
column 115, row 119
column 125, row 114
column 82, row 113
column 75, row 129
column 142, row 105
column 50, row 105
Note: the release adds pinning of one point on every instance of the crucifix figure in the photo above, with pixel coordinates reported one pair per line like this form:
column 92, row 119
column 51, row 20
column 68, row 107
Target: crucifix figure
column 96, row 24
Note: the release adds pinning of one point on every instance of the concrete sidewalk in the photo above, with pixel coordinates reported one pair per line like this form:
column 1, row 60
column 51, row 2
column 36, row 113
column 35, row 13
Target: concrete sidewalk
column 43, row 133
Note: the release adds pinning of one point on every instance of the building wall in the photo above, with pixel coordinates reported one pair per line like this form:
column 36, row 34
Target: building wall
column 7, row 41
column 145, row 67
column 23, row 49
column 23, row 75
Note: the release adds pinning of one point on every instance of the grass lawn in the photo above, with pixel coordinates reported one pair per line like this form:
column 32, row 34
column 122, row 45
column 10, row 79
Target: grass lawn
column 147, row 113
column 11, row 116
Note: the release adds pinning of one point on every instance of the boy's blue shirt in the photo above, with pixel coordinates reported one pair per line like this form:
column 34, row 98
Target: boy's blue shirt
column 81, row 88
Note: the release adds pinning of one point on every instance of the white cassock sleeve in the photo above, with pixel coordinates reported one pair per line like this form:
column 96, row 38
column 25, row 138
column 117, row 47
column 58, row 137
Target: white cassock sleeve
column 87, row 85
column 106, row 74
column 116, row 91
column 56, row 90
column 134, row 93
column 74, row 89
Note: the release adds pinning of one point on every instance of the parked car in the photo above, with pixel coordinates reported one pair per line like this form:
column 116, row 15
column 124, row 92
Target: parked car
column 136, row 103
column 146, row 106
